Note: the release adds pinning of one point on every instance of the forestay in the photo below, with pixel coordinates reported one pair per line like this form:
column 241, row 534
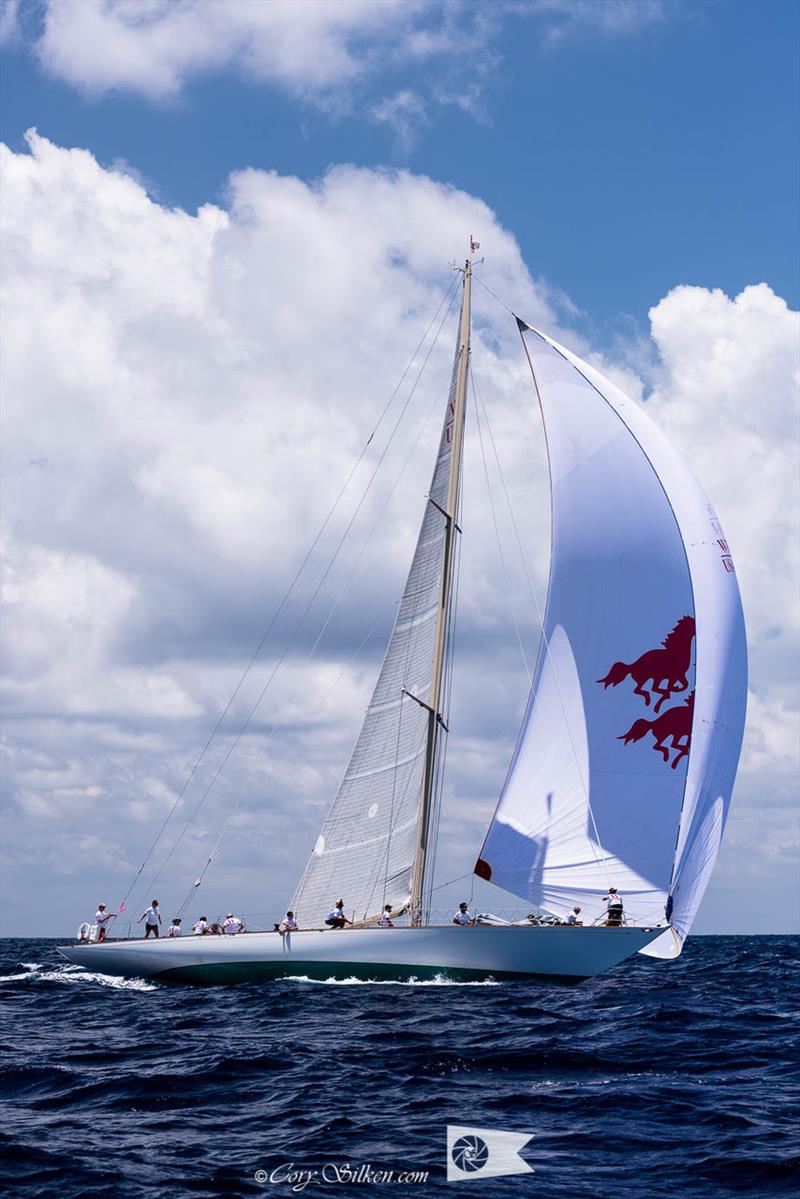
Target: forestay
column 365, row 851
column 624, row 766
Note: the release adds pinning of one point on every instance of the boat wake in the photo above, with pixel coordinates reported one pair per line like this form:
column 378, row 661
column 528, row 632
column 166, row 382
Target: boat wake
column 438, row 981
column 37, row 972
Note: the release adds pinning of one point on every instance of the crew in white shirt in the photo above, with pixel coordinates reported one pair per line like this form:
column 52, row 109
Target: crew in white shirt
column 573, row 918
column 463, row 915
column 613, row 901
column 102, row 918
column 175, row 929
column 200, row 926
column 386, row 917
column 288, row 924
column 336, row 917
column 233, row 924
column 152, row 920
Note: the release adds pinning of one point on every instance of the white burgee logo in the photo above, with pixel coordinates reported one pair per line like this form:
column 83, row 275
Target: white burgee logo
column 484, row 1153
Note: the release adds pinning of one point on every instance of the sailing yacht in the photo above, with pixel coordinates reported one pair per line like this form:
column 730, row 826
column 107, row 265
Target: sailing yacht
column 625, row 761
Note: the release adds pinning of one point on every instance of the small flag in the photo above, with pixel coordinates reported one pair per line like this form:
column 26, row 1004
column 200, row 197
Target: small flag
column 473, row 245
column 122, row 906
column 474, row 1153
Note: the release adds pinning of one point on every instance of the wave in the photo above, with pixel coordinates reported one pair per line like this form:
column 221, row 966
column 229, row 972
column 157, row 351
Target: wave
column 38, row 972
column 438, row 981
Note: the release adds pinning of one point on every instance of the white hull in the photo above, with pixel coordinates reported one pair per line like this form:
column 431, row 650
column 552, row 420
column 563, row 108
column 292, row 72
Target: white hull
column 480, row 951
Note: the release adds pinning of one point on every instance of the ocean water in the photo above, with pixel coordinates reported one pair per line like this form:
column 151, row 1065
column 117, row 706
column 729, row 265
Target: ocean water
column 658, row 1079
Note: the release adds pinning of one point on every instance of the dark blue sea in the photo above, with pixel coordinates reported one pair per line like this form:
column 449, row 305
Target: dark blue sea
column 658, row 1079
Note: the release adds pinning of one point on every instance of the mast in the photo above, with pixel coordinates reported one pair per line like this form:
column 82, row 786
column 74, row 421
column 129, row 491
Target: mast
column 435, row 715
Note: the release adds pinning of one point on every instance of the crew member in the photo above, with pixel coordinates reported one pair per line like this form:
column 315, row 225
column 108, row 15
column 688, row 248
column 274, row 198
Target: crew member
column 288, row 924
column 200, row 926
column 152, row 920
column 102, row 919
column 386, row 917
column 573, row 918
column 175, row 929
column 463, row 915
column 233, row 924
column 613, row 902
column 336, row 917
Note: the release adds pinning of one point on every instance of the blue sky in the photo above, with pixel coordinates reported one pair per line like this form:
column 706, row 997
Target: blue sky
column 625, row 161
column 205, row 308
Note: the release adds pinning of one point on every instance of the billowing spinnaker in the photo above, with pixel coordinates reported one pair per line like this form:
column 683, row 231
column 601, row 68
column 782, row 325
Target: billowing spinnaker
column 625, row 762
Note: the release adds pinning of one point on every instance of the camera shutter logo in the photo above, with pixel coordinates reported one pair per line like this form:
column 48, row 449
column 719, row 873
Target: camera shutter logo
column 470, row 1154
column 484, row 1153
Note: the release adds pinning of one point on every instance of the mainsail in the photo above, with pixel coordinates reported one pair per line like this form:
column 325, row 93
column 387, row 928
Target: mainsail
column 625, row 762
column 371, row 849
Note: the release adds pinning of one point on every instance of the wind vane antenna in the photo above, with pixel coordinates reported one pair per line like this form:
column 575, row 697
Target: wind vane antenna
column 473, row 246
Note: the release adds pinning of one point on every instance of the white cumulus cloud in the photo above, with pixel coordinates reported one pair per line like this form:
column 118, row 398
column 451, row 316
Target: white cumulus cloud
column 155, row 46
column 184, row 395
column 312, row 49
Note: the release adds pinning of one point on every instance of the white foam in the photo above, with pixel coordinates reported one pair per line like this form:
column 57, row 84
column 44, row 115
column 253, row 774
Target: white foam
column 37, row 972
column 438, row 981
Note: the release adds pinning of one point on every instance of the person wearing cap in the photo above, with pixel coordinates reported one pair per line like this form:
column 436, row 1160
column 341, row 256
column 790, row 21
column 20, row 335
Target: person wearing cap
column 573, row 918
column 232, row 925
column 463, row 915
column 288, row 924
column 386, row 917
column 336, row 917
column 175, row 929
column 613, row 902
column 152, row 920
column 102, row 919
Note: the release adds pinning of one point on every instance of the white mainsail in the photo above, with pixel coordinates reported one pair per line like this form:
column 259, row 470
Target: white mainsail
column 370, row 838
column 626, row 758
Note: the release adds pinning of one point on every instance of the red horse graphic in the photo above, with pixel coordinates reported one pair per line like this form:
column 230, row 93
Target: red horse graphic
column 675, row 723
column 665, row 668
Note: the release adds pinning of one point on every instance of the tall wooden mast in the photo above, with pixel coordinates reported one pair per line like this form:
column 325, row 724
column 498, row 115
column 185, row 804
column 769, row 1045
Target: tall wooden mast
column 449, row 515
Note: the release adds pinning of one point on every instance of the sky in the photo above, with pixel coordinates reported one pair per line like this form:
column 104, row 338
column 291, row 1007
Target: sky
column 226, row 228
